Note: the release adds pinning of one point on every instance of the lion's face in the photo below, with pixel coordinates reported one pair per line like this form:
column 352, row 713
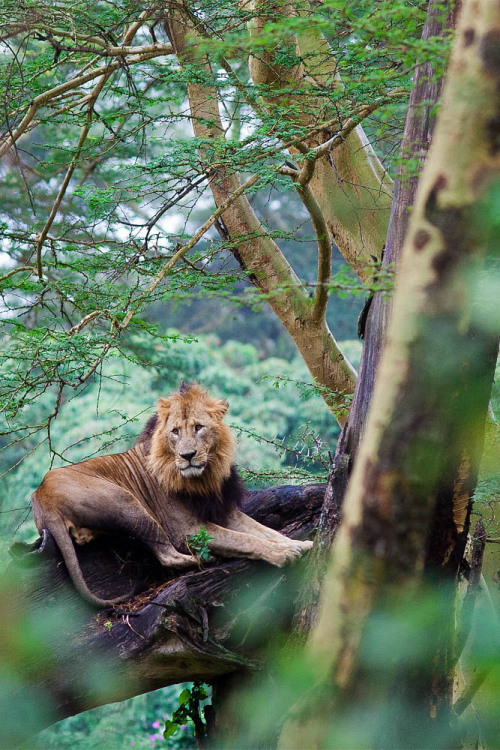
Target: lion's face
column 192, row 447
column 191, row 435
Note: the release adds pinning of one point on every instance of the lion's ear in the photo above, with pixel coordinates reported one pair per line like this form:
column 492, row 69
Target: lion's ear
column 219, row 407
column 163, row 407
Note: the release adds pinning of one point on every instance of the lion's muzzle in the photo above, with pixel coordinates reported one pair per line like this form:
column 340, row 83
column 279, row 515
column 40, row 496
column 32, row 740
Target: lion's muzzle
column 189, row 466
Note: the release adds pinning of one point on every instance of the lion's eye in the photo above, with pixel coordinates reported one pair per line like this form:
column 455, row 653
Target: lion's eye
column 198, row 427
column 175, row 431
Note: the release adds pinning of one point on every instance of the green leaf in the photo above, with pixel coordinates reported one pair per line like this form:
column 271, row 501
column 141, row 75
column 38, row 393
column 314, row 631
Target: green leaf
column 170, row 728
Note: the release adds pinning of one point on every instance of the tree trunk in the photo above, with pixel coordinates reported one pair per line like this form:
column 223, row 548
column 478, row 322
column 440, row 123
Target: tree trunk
column 415, row 144
column 419, row 454
column 350, row 185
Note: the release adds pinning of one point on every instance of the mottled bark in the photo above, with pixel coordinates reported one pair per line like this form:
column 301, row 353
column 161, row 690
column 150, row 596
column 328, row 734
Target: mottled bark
column 427, row 415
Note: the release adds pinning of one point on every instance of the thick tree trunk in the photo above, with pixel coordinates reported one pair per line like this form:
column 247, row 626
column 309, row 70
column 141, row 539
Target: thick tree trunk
column 419, row 454
column 180, row 629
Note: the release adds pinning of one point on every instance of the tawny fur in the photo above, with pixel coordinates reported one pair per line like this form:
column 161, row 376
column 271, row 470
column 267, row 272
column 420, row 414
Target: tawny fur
column 194, row 406
column 179, row 472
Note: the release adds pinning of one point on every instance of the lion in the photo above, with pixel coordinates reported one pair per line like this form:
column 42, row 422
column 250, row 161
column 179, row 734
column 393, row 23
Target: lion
column 180, row 473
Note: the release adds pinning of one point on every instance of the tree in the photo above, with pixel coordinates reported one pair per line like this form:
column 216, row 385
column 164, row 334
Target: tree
column 296, row 122
column 204, row 40
column 419, row 456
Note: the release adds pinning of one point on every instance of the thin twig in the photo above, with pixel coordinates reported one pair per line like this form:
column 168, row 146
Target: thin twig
column 31, row 269
column 69, row 172
column 192, row 242
column 75, row 82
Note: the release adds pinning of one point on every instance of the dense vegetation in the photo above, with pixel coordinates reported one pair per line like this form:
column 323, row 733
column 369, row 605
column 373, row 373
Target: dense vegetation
column 118, row 276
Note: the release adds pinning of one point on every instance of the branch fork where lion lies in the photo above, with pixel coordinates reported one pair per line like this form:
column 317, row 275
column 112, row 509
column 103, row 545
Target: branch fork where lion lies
column 185, row 628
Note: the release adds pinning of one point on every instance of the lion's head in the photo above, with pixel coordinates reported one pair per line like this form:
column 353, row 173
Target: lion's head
column 192, row 450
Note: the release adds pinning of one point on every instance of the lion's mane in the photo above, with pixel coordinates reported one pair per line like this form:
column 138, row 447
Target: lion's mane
column 219, row 489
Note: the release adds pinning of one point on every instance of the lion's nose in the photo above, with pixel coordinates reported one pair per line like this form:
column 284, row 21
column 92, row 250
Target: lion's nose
column 189, row 455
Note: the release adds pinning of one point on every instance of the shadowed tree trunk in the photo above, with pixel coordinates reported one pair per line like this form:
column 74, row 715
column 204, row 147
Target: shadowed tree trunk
column 416, row 140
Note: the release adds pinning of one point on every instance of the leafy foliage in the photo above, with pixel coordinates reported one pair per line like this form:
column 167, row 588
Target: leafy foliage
column 135, row 178
column 191, row 709
column 198, row 544
column 136, row 723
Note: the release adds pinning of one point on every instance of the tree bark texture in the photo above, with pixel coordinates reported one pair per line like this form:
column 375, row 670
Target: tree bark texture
column 182, row 628
column 417, row 137
column 416, row 140
column 352, row 188
column 426, row 421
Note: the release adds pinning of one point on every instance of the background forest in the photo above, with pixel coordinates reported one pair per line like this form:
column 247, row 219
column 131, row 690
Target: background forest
column 101, row 190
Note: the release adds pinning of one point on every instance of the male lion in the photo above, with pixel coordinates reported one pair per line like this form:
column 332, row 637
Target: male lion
column 179, row 473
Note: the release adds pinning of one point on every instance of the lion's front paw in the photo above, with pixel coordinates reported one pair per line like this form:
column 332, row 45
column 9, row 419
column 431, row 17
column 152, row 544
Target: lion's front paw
column 292, row 550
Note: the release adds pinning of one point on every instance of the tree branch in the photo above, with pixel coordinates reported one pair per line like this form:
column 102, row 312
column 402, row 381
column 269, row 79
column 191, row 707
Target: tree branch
column 69, row 172
column 358, row 226
column 179, row 629
column 324, row 271
column 132, row 54
column 254, row 249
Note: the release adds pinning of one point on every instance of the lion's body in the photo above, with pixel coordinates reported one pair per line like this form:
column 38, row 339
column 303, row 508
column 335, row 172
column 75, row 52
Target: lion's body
column 179, row 473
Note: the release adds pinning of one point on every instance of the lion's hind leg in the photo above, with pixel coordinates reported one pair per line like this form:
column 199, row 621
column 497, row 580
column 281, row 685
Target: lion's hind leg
column 132, row 518
column 97, row 504
column 169, row 557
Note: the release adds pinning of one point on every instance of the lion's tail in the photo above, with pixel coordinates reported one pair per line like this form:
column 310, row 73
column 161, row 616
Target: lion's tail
column 58, row 529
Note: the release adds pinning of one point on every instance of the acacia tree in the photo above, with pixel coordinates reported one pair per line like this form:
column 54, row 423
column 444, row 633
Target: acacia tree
column 102, row 94
column 293, row 122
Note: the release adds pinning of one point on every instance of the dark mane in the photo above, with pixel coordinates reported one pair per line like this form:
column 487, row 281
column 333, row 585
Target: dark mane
column 147, row 433
column 216, row 508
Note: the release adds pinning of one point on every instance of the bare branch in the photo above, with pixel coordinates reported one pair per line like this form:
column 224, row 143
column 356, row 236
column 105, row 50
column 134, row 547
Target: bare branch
column 324, row 249
column 86, row 320
column 31, row 269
